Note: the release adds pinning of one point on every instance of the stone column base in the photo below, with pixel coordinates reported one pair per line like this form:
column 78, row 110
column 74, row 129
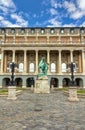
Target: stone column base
column 12, row 93
column 41, row 85
column 73, row 94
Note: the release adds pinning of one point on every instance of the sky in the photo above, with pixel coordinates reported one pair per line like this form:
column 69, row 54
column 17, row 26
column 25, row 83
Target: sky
column 42, row 13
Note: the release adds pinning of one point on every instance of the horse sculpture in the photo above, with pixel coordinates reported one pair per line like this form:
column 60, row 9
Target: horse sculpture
column 43, row 66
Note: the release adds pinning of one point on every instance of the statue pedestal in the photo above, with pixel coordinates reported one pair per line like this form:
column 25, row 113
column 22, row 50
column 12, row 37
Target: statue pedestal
column 12, row 93
column 41, row 85
column 73, row 94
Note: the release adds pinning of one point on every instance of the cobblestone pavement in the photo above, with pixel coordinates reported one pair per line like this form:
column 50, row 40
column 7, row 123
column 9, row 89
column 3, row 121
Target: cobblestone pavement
column 42, row 112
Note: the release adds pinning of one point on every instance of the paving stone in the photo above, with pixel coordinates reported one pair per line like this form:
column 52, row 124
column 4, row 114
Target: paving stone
column 42, row 112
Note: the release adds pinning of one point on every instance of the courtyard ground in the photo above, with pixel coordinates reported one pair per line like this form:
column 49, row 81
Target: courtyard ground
column 42, row 112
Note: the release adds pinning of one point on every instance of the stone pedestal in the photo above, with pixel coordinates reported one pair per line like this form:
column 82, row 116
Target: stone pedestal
column 41, row 85
column 12, row 93
column 73, row 94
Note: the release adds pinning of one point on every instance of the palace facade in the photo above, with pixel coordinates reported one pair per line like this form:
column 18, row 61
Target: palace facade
column 26, row 47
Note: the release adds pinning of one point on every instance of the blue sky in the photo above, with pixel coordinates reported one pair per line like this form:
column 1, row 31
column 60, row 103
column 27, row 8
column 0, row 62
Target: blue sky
column 42, row 13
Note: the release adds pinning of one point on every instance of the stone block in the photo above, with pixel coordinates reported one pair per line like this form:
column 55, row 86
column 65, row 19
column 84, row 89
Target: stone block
column 41, row 85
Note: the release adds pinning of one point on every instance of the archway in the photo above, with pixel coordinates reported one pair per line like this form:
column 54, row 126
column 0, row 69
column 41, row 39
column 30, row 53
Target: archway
column 54, row 82
column 30, row 82
column 5, row 82
column 18, row 82
column 79, row 82
column 66, row 82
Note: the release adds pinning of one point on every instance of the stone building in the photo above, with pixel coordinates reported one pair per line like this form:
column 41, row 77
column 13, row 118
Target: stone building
column 26, row 46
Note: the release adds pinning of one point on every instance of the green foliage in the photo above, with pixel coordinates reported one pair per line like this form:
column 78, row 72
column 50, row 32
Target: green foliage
column 81, row 91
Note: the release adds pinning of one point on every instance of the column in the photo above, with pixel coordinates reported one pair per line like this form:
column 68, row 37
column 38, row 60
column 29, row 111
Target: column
column 24, row 82
column 71, row 55
column 36, row 71
column 25, row 61
column 80, row 64
column 48, row 60
column 83, row 61
column 60, row 83
column 60, row 62
column 2, row 60
column 13, row 58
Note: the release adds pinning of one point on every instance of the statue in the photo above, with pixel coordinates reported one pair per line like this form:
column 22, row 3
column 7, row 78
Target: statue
column 43, row 66
column 41, row 85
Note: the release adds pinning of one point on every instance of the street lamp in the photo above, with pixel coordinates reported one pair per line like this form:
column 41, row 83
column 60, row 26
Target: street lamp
column 72, row 69
column 11, row 67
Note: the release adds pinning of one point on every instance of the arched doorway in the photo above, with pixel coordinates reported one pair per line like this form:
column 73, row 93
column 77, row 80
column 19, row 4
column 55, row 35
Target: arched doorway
column 54, row 82
column 66, row 82
column 79, row 82
column 30, row 82
column 18, row 82
column 6, row 82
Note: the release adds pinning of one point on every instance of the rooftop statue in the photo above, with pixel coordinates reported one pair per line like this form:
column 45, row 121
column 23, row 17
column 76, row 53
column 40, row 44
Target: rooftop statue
column 43, row 66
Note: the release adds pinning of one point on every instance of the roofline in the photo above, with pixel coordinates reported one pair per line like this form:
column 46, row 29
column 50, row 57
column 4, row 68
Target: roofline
column 38, row 27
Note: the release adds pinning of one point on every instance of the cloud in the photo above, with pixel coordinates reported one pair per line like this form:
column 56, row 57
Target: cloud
column 7, row 3
column 70, row 6
column 83, row 24
column 81, row 4
column 75, row 10
column 56, row 4
column 54, row 23
column 53, row 11
column 8, row 10
column 19, row 19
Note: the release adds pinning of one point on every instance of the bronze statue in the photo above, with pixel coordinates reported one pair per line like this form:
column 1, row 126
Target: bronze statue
column 43, row 66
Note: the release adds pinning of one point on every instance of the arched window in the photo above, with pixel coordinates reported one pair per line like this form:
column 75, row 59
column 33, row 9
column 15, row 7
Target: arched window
column 31, row 67
column 63, row 67
column 53, row 67
column 21, row 67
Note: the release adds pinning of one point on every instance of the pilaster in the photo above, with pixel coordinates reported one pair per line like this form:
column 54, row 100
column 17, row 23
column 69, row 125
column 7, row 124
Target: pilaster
column 60, row 61
column 36, row 71
column 25, row 61
column 48, row 60
column 2, row 60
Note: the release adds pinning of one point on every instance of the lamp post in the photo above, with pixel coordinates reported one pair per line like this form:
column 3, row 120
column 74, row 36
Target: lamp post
column 12, row 87
column 12, row 67
column 72, row 68
column 72, row 88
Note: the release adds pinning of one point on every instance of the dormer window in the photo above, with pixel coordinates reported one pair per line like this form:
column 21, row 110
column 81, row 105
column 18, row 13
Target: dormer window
column 82, row 30
column 3, row 31
column 62, row 30
column 22, row 31
column 32, row 31
column 52, row 31
column 42, row 31
column 12, row 31
column 72, row 30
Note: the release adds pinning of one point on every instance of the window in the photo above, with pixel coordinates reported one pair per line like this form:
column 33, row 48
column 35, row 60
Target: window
column 22, row 31
column 82, row 30
column 0, row 56
column 63, row 67
column 72, row 30
column 31, row 67
column 3, row 31
column 62, row 30
column 52, row 31
column 21, row 67
column 53, row 67
column 12, row 31
column 75, row 67
column 42, row 31
column 32, row 31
